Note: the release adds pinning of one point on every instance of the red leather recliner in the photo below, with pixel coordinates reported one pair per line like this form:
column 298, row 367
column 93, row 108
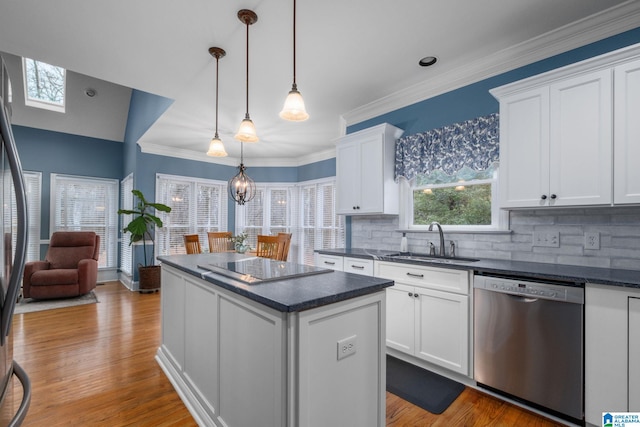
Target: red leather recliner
column 69, row 269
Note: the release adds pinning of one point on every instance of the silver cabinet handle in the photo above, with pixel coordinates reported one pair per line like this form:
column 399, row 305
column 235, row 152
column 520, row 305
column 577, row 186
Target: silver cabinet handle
column 416, row 295
column 410, row 294
column 420, row 276
column 359, row 267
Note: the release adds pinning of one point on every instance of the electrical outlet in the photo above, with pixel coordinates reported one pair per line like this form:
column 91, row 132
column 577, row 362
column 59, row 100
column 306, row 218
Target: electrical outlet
column 347, row 347
column 592, row 240
column 548, row 239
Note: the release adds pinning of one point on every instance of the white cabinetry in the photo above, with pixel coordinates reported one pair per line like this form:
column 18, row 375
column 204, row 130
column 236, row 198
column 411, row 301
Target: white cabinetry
column 556, row 141
column 361, row 266
column 570, row 137
column 627, row 133
column 428, row 313
column 334, row 262
column 364, row 172
column 612, row 353
column 634, row 354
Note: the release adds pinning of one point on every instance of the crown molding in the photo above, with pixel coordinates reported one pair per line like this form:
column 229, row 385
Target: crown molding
column 163, row 150
column 574, row 35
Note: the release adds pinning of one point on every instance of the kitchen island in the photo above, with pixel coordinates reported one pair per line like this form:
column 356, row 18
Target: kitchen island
column 249, row 341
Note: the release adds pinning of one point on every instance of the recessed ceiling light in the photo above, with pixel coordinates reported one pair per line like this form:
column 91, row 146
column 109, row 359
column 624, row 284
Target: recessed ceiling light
column 428, row 61
column 90, row 92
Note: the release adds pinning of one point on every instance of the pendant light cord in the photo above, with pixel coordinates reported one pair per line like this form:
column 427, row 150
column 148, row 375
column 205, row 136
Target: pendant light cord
column 247, row 94
column 294, row 45
column 217, row 62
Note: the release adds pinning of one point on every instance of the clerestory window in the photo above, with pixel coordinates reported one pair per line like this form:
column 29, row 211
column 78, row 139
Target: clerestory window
column 44, row 85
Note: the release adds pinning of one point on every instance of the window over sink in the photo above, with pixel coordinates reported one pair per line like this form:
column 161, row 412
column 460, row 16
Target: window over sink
column 466, row 200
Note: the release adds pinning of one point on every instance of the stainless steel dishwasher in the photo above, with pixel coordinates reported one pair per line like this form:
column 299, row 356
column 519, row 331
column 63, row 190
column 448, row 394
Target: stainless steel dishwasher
column 528, row 342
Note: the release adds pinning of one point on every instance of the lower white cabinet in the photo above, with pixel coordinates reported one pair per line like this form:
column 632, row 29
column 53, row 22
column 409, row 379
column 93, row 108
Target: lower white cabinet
column 334, row 262
column 425, row 321
column 634, row 354
column 358, row 266
column 363, row 266
column 612, row 350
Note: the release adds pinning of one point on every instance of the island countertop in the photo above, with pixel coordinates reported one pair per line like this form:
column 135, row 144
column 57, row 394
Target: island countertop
column 285, row 295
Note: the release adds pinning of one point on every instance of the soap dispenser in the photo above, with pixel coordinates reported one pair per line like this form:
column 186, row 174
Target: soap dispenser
column 404, row 246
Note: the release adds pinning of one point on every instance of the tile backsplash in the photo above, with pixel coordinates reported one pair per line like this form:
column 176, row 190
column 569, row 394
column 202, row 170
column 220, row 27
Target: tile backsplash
column 596, row 237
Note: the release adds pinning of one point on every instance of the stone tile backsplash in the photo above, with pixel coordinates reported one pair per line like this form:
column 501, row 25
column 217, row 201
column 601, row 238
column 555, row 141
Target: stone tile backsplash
column 618, row 229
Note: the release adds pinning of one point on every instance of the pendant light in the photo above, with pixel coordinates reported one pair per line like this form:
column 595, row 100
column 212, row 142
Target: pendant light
column 247, row 131
column 241, row 188
column 216, row 147
column 294, row 109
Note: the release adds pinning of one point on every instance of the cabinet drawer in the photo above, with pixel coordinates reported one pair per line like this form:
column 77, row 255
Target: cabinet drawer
column 333, row 262
column 358, row 266
column 444, row 279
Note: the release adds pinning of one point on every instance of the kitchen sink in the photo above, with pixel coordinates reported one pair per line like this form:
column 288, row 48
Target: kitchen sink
column 433, row 258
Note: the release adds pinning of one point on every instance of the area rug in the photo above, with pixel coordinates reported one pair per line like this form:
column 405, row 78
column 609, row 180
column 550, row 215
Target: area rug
column 423, row 388
column 28, row 305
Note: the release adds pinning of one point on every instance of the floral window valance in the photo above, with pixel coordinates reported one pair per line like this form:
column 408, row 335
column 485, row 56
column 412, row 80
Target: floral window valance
column 473, row 143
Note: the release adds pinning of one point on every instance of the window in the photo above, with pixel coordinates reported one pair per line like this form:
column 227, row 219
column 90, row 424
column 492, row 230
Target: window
column 466, row 198
column 33, row 188
column 126, row 202
column 44, row 85
column 320, row 227
column 197, row 206
column 269, row 212
column 307, row 210
column 87, row 204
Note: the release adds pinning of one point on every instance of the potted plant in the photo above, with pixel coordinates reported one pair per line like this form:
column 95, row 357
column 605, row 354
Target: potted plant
column 140, row 230
column 240, row 242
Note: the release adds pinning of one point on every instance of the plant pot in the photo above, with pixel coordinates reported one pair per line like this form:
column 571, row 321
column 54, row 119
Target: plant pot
column 149, row 277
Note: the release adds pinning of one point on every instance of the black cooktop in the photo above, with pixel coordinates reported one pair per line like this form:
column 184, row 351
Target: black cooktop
column 256, row 270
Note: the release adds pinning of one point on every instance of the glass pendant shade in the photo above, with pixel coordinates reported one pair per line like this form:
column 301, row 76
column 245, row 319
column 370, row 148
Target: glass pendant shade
column 216, row 148
column 242, row 189
column 294, row 109
column 247, row 131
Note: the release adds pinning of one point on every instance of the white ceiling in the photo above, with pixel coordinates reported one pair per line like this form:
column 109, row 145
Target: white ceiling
column 356, row 59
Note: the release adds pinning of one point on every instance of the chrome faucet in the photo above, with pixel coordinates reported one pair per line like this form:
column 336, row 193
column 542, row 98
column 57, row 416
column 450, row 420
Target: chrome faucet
column 437, row 224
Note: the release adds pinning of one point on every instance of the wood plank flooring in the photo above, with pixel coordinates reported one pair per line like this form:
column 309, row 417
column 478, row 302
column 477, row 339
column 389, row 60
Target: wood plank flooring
column 93, row 365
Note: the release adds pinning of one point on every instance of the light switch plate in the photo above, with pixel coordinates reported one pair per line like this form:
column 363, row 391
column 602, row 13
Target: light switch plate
column 548, row 239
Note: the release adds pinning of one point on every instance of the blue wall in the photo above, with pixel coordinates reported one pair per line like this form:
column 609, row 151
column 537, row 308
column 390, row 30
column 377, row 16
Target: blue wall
column 54, row 152
column 475, row 100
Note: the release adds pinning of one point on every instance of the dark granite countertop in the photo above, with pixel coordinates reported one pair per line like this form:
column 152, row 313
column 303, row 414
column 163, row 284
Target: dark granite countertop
column 570, row 274
column 286, row 295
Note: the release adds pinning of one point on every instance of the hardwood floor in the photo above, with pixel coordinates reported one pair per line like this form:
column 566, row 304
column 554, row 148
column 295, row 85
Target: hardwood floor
column 93, row 365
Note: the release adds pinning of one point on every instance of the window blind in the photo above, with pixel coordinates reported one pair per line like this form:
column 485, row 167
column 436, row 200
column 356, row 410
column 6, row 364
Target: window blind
column 33, row 188
column 126, row 202
column 87, row 204
column 197, row 206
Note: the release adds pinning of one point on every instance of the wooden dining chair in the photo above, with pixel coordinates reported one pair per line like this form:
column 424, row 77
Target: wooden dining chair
column 219, row 241
column 192, row 243
column 270, row 247
column 287, row 244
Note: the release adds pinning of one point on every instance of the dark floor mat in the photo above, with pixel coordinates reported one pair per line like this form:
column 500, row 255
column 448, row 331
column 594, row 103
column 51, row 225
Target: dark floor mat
column 423, row 388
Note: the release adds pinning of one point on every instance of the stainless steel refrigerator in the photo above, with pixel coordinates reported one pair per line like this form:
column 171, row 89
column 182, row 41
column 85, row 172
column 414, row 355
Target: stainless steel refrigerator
column 13, row 228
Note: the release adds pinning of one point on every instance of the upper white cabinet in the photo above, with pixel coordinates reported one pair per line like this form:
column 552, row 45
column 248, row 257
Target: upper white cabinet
column 569, row 137
column 556, row 144
column 627, row 133
column 364, row 172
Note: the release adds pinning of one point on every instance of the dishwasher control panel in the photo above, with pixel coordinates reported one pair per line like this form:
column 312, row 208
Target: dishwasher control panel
column 530, row 289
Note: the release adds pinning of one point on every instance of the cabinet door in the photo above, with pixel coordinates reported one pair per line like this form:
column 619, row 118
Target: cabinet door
column 524, row 149
column 442, row 329
column 634, row 354
column 626, row 180
column 581, row 140
column 372, row 175
column 400, row 318
column 348, row 178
